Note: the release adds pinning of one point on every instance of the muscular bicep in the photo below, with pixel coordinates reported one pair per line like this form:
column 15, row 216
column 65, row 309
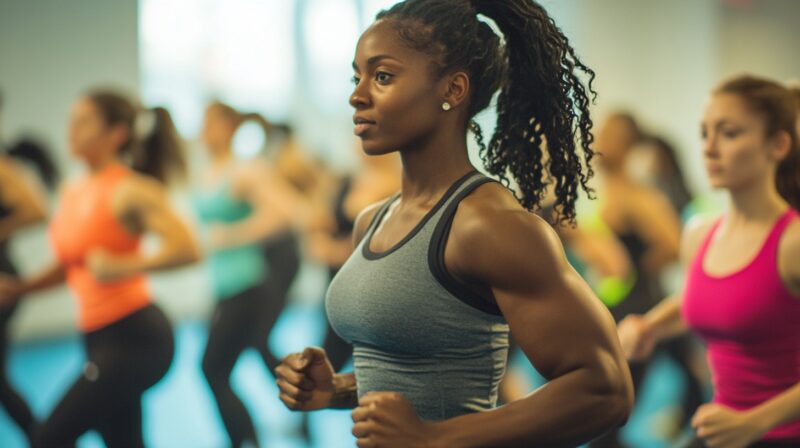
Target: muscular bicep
column 552, row 313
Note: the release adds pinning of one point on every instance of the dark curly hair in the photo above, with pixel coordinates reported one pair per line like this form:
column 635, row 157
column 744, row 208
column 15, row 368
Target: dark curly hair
column 543, row 105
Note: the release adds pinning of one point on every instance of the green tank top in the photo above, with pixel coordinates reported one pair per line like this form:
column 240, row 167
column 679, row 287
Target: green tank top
column 235, row 269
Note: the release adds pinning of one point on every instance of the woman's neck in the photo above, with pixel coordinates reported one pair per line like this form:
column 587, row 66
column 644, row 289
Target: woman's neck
column 432, row 167
column 759, row 202
column 221, row 159
column 97, row 164
column 616, row 174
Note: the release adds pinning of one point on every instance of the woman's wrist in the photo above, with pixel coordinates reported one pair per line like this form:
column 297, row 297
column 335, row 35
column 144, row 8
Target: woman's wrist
column 30, row 285
column 760, row 417
column 130, row 265
column 436, row 435
column 664, row 321
column 345, row 392
column 650, row 328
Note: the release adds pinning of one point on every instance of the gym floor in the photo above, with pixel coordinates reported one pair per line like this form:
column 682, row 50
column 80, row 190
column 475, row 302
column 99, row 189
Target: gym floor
column 180, row 412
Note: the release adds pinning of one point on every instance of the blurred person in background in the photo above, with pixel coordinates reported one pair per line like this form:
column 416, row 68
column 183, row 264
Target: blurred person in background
column 742, row 289
column 645, row 222
column 246, row 210
column 655, row 161
column 22, row 205
column 129, row 154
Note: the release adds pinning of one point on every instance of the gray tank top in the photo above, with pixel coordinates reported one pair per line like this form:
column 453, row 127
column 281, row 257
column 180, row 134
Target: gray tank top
column 414, row 328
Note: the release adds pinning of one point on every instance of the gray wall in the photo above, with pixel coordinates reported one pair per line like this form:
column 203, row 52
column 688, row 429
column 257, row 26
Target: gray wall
column 763, row 39
column 50, row 52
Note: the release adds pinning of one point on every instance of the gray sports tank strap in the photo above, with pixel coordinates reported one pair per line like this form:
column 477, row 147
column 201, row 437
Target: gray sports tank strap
column 476, row 296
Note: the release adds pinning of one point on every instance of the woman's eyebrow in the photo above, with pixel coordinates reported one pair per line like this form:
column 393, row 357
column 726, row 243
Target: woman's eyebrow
column 374, row 60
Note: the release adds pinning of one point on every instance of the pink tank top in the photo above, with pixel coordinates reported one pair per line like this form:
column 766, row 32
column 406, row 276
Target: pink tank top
column 751, row 325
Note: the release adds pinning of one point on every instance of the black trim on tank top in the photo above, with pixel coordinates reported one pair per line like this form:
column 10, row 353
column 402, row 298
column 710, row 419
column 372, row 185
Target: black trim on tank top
column 370, row 255
column 463, row 292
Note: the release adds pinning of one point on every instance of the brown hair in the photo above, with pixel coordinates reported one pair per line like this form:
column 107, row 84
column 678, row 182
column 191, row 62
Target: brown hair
column 778, row 106
column 794, row 89
column 239, row 118
column 227, row 111
column 628, row 120
column 156, row 151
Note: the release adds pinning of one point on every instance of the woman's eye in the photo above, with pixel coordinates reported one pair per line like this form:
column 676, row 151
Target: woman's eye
column 383, row 77
column 731, row 133
column 355, row 80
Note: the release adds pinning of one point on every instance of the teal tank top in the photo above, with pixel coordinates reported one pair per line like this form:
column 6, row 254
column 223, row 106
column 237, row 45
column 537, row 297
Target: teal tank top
column 236, row 269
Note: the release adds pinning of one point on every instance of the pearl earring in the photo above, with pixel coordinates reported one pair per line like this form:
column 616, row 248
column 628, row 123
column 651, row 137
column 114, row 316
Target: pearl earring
column 445, row 106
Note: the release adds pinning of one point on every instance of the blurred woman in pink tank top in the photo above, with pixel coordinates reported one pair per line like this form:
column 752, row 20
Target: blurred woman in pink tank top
column 742, row 289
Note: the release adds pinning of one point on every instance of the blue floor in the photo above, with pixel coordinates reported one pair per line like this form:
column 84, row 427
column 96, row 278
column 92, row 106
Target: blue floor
column 179, row 411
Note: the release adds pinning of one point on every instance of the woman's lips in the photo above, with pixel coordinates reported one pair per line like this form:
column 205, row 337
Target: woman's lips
column 362, row 128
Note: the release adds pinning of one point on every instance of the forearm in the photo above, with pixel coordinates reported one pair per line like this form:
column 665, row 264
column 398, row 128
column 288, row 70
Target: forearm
column 48, row 278
column 779, row 410
column 345, row 392
column 657, row 258
column 12, row 223
column 168, row 257
column 252, row 230
column 665, row 320
column 568, row 411
column 601, row 253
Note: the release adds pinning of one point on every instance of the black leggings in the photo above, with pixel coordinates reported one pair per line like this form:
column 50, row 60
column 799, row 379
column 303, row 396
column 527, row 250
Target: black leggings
column 246, row 320
column 13, row 403
column 124, row 359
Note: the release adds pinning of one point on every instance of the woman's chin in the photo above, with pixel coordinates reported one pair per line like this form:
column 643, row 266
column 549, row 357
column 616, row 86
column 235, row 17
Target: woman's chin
column 375, row 149
column 717, row 183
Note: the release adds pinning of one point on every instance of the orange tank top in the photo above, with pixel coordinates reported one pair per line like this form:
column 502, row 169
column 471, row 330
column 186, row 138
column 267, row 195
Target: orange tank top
column 83, row 222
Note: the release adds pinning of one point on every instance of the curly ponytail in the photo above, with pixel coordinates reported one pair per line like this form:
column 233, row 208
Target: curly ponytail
column 543, row 133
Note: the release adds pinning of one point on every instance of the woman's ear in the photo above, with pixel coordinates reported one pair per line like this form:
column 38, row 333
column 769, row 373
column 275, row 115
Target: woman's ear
column 781, row 146
column 456, row 89
column 120, row 135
